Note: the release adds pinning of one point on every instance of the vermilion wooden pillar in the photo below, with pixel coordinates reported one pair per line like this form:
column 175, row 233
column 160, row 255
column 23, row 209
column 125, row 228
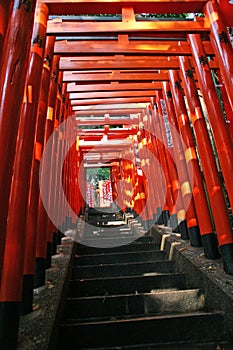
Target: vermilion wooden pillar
column 49, row 128
column 191, row 218
column 154, row 169
column 222, row 45
column 5, row 10
column 168, row 143
column 14, row 66
column 170, row 203
column 213, row 183
column 39, row 140
column 151, row 167
column 221, row 134
column 226, row 104
column 198, row 190
column 63, row 212
column 60, row 155
column 17, row 215
column 160, row 177
column 52, row 122
column 164, row 161
column 53, row 193
column 176, row 185
column 145, row 166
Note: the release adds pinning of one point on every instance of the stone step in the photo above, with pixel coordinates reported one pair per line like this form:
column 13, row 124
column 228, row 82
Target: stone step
column 210, row 345
column 125, row 284
column 98, row 249
column 156, row 302
column 198, row 326
column 125, row 236
column 120, row 257
column 122, row 269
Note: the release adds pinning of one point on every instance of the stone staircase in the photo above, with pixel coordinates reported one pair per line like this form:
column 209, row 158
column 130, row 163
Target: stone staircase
column 131, row 297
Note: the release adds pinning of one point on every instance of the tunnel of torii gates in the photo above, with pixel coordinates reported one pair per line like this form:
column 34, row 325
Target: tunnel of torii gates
column 153, row 87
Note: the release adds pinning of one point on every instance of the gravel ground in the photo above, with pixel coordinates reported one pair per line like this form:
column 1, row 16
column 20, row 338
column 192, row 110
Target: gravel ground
column 35, row 328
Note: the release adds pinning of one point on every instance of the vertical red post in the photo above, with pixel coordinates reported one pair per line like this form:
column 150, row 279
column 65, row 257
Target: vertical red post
column 53, row 193
column 49, row 128
column 227, row 107
column 14, row 66
column 222, row 45
column 5, row 10
column 38, row 149
column 164, row 158
column 213, row 184
column 53, row 115
column 17, row 215
column 191, row 221
column 151, row 167
column 146, row 168
column 198, row 190
column 160, row 181
column 221, row 134
column 169, row 152
column 169, row 202
column 60, row 156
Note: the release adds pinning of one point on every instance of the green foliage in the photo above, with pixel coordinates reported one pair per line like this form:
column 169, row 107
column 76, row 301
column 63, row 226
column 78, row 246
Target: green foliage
column 97, row 174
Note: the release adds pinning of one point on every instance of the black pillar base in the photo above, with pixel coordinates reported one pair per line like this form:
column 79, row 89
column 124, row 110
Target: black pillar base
column 210, row 245
column 184, row 230
column 174, row 223
column 195, row 237
column 59, row 237
column 48, row 255
column 165, row 216
column 54, row 243
column 27, row 295
column 159, row 217
column 227, row 257
column 39, row 279
column 9, row 324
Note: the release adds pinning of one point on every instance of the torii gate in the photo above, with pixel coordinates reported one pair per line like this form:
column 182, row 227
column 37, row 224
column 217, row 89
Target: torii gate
column 137, row 62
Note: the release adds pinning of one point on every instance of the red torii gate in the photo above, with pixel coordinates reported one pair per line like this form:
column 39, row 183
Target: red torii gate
column 24, row 82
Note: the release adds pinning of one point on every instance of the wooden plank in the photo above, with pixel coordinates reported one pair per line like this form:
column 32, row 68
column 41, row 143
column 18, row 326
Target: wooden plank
column 113, row 86
column 103, row 131
column 108, row 121
column 158, row 47
column 114, row 76
column 80, row 7
column 120, row 111
column 110, row 107
column 65, row 28
column 105, row 94
column 102, row 101
column 149, row 63
column 124, row 63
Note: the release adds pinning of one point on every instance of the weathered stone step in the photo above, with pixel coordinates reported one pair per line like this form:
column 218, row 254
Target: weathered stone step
column 123, row 237
column 198, row 326
column 124, row 246
column 169, row 346
column 122, row 269
column 121, row 257
column 157, row 302
column 125, row 285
